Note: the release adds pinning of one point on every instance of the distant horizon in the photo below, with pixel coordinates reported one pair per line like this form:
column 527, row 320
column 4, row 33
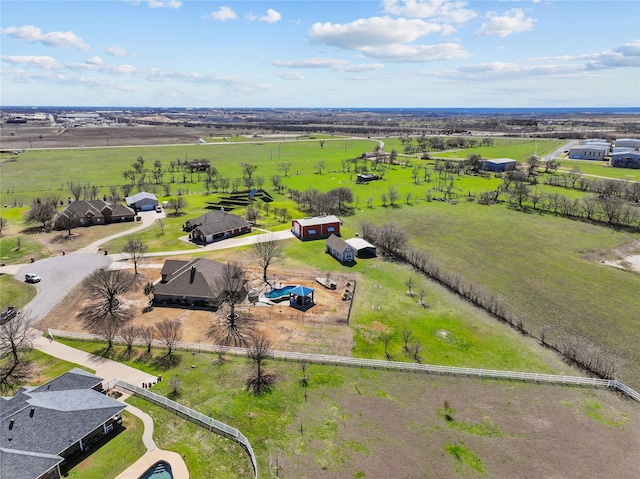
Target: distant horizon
column 583, row 109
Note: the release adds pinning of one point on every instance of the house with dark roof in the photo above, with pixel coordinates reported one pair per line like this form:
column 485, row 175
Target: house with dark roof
column 189, row 283
column 498, row 164
column 44, row 426
column 97, row 212
column 216, row 225
column 316, row 228
column 340, row 249
column 142, row 201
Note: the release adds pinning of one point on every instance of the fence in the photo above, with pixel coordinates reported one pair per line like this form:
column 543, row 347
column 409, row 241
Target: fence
column 386, row 365
column 193, row 416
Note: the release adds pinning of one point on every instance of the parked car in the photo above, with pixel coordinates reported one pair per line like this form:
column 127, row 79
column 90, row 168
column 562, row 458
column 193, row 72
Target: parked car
column 158, row 209
column 31, row 278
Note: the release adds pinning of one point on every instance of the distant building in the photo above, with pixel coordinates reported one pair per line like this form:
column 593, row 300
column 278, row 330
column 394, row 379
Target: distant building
column 96, row 212
column 44, row 426
column 142, row 201
column 215, row 225
column 316, row 228
column 632, row 143
column 340, row 249
column 629, row 159
column 365, row 178
column 499, row 164
column 590, row 151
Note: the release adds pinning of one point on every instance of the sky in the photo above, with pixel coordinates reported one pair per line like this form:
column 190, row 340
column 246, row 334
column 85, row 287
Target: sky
column 320, row 53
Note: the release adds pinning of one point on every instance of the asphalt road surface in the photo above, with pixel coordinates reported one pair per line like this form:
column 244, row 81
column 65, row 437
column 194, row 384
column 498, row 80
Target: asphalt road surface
column 59, row 275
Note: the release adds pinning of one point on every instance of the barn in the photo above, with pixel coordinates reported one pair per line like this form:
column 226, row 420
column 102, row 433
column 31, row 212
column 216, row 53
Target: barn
column 316, row 228
column 628, row 159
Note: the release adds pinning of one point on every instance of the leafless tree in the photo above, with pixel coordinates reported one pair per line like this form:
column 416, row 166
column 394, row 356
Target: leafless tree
column 135, row 249
column 285, row 166
column 75, row 189
column 409, row 285
column 385, row 339
column 129, row 333
column 169, row 331
column 391, row 238
column 67, row 221
column 260, row 382
column 16, row 338
column 406, row 335
column 41, row 211
column 3, row 225
column 414, row 350
column 421, row 295
column 104, row 287
column 147, row 334
column 265, row 252
column 177, row 203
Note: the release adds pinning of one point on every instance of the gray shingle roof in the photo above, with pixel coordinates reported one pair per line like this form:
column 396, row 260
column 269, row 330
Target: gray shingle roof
column 38, row 424
column 217, row 222
column 338, row 244
column 199, row 282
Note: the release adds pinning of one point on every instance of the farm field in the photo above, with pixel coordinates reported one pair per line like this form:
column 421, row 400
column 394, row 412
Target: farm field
column 549, row 270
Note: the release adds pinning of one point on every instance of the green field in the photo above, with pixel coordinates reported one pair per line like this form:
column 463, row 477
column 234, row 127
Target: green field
column 543, row 266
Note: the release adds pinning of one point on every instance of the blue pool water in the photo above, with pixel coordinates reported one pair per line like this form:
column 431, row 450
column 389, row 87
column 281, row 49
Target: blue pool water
column 160, row 470
column 279, row 292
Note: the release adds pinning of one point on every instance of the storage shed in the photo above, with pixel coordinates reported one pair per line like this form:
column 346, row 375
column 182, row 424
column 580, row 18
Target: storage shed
column 340, row 249
column 142, row 201
column 499, row 164
column 363, row 248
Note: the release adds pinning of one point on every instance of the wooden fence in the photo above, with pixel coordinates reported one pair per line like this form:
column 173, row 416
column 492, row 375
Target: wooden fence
column 537, row 378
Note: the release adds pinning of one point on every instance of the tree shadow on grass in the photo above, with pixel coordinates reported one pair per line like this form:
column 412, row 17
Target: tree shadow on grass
column 167, row 361
column 127, row 354
column 144, row 357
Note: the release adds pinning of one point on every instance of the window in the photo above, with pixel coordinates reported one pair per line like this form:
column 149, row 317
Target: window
column 312, row 232
column 331, row 229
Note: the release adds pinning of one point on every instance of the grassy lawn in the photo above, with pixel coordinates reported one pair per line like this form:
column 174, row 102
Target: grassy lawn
column 600, row 168
column 14, row 292
column 107, row 458
column 542, row 265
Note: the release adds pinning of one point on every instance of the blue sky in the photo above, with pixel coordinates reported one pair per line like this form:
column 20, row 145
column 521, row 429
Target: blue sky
column 317, row 53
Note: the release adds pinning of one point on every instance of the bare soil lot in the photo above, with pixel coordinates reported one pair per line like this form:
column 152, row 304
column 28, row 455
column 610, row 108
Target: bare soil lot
column 321, row 329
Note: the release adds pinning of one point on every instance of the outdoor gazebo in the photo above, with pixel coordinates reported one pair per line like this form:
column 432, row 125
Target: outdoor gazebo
column 301, row 297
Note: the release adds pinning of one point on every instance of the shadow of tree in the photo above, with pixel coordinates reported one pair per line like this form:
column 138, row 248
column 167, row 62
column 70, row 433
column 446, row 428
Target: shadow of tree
column 168, row 361
column 144, row 357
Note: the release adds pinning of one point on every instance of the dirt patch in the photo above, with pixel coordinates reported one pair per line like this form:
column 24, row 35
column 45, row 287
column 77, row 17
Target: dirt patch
column 394, row 426
column 625, row 257
column 321, row 329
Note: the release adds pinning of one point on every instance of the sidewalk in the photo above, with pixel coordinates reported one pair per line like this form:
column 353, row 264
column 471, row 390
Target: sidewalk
column 108, row 369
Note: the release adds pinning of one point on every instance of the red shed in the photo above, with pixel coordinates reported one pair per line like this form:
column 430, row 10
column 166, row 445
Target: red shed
column 314, row 228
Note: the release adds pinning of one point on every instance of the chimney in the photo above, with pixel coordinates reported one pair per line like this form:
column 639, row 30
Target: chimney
column 193, row 274
column 32, row 412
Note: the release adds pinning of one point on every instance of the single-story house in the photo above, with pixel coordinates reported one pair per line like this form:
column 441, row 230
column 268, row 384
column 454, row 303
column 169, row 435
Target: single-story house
column 629, row 159
column 363, row 248
column 142, row 201
column 589, row 152
column 215, row 225
column 498, row 164
column 340, row 249
column 316, row 228
column 98, row 212
column 189, row 283
column 633, row 143
column 366, row 177
column 44, row 426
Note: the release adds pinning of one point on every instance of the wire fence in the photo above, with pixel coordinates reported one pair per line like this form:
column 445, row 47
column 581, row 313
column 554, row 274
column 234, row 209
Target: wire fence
column 328, row 360
column 193, row 416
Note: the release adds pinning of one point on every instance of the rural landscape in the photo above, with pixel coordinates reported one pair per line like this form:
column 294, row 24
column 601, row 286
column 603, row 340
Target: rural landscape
column 533, row 269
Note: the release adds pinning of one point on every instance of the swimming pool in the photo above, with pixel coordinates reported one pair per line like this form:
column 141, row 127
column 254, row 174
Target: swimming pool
column 279, row 292
column 160, row 470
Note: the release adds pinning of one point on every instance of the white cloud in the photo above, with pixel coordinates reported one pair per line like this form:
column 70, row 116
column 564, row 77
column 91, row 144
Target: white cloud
column 115, row 51
column 223, row 14
column 40, row 62
column 31, row 33
column 334, row 64
column 272, row 16
column 95, row 60
column 442, row 10
column 417, row 53
column 512, row 21
column 627, row 55
column 375, row 31
column 164, row 4
column 290, row 75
